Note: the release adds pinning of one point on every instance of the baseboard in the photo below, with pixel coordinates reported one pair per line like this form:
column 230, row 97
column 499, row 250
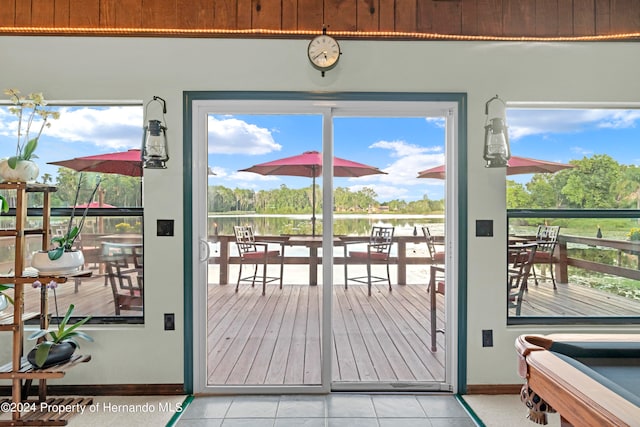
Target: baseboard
column 493, row 388
column 178, row 389
column 105, row 390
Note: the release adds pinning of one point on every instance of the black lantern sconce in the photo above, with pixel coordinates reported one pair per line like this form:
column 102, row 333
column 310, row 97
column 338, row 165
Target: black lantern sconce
column 496, row 139
column 155, row 148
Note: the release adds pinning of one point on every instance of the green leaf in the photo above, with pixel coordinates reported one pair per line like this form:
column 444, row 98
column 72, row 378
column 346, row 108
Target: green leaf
column 4, row 205
column 71, row 331
column 59, row 240
column 42, row 352
column 12, row 162
column 29, row 149
column 73, row 233
column 84, row 336
column 64, row 321
column 56, row 253
column 37, row 334
column 78, row 334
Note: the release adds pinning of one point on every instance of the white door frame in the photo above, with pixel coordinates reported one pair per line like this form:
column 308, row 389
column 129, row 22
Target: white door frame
column 328, row 108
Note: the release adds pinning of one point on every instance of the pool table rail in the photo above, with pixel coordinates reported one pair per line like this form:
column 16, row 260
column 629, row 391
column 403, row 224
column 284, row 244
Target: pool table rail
column 579, row 399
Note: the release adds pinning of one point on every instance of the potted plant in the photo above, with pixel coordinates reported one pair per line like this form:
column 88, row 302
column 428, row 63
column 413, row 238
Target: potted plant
column 63, row 258
column 5, row 299
column 59, row 344
column 31, row 111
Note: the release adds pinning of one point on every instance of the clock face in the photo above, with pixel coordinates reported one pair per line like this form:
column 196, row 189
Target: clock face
column 324, row 52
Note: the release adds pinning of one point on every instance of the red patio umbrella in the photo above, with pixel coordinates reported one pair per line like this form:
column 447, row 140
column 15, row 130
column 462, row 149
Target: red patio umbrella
column 123, row 162
column 309, row 164
column 516, row 166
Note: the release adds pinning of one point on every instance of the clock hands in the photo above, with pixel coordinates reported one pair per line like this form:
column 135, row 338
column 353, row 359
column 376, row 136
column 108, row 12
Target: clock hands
column 324, row 52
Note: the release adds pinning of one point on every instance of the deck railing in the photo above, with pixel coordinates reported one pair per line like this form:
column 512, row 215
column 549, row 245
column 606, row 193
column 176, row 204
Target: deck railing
column 622, row 248
column 400, row 258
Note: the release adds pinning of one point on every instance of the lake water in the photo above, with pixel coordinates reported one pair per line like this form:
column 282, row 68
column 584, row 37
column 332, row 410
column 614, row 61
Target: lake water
column 350, row 225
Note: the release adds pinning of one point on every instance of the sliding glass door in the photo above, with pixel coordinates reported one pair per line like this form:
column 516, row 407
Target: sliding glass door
column 381, row 317
column 278, row 234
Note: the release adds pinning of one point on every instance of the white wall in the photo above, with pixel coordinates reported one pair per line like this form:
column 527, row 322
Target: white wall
column 138, row 68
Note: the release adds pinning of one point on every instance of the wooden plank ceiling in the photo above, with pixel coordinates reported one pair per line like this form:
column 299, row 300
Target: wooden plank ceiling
column 398, row 19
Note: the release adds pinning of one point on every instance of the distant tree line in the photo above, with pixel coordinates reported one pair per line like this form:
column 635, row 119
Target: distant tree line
column 117, row 190
column 285, row 200
column 597, row 182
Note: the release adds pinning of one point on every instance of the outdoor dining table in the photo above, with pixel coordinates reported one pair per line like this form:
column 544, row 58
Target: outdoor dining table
column 313, row 243
column 402, row 260
column 519, row 240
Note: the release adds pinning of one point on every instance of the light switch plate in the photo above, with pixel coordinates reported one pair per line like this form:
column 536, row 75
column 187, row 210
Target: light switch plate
column 169, row 321
column 487, row 337
column 484, row 228
column 165, row 227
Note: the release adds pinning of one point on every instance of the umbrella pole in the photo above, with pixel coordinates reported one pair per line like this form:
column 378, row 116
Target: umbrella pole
column 313, row 204
column 100, row 204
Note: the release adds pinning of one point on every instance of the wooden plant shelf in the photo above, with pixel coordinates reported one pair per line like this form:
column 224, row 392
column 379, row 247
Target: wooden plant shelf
column 27, row 371
column 22, row 412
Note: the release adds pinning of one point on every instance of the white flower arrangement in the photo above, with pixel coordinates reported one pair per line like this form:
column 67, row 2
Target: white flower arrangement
column 30, row 110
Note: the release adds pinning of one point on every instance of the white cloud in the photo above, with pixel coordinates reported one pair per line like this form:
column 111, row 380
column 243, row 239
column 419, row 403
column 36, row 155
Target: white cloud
column 581, row 151
column 409, row 160
column 233, row 136
column 403, row 149
column 252, row 177
column 436, row 121
column 540, row 122
column 618, row 119
column 113, row 127
column 110, row 127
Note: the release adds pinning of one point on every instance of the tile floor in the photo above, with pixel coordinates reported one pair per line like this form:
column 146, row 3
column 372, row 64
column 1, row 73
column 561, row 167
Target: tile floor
column 334, row 410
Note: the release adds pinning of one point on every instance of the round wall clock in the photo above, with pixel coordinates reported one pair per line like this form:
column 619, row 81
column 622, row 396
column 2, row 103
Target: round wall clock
column 324, row 52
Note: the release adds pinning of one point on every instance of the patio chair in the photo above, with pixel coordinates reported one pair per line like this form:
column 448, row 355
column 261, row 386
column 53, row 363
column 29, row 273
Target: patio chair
column 121, row 270
column 257, row 253
column 520, row 262
column 437, row 257
column 546, row 239
column 378, row 250
column 90, row 246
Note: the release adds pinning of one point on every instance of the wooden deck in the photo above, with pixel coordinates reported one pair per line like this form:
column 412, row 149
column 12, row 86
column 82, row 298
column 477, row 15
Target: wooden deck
column 575, row 300
column 275, row 339
column 92, row 298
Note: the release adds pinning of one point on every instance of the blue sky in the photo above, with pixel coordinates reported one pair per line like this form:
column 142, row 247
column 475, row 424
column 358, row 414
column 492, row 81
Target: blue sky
column 78, row 132
column 399, row 146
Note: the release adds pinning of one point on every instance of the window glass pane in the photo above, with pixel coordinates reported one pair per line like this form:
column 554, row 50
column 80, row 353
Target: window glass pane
column 111, row 214
column 584, row 183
